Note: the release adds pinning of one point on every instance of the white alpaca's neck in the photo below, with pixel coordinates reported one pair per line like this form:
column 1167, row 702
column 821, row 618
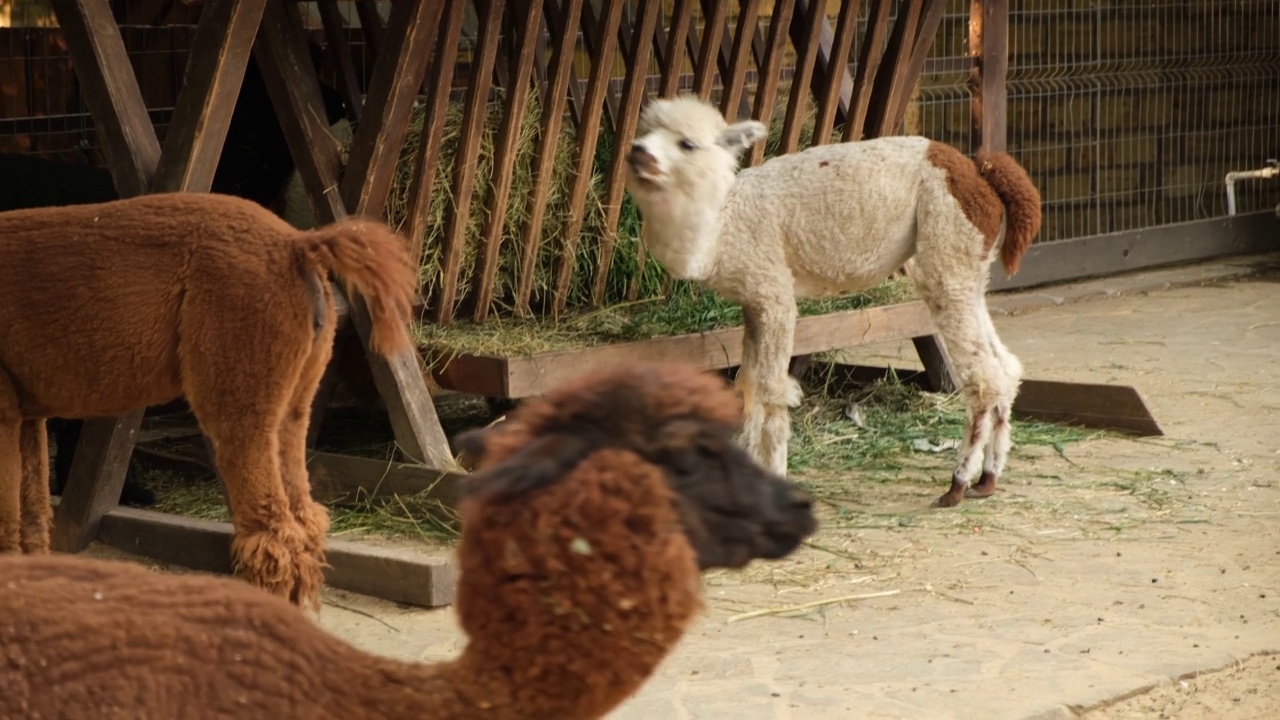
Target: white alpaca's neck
column 682, row 231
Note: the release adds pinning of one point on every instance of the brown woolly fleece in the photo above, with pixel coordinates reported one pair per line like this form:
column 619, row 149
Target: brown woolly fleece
column 571, row 596
column 112, row 307
column 985, row 189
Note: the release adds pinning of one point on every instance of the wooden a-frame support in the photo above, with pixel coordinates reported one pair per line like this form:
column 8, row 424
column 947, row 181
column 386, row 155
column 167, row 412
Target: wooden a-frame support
column 228, row 29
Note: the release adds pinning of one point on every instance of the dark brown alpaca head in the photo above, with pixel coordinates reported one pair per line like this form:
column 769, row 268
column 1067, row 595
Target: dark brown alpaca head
column 673, row 417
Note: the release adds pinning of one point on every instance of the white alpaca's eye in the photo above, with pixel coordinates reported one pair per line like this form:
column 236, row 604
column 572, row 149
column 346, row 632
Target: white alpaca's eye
column 687, row 145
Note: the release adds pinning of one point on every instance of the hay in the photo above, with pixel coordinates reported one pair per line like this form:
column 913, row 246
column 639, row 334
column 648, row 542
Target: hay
column 655, row 308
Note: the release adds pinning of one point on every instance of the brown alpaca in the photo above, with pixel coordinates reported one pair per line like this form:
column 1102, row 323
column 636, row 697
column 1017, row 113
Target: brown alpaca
column 572, row 587
column 112, row 307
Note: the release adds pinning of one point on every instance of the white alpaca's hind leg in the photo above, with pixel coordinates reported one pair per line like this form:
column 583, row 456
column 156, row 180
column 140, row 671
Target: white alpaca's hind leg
column 770, row 392
column 1001, row 439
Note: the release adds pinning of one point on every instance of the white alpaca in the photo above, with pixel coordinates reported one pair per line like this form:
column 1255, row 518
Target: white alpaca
column 836, row 219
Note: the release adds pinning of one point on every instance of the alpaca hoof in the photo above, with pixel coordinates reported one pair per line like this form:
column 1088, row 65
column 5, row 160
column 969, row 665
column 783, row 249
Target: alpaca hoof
column 986, row 486
column 310, row 579
column 274, row 560
column 953, row 496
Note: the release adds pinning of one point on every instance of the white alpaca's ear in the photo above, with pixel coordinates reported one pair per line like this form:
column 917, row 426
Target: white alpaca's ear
column 742, row 135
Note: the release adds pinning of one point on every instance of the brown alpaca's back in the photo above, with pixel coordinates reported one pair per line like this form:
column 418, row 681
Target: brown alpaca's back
column 113, row 307
column 102, row 289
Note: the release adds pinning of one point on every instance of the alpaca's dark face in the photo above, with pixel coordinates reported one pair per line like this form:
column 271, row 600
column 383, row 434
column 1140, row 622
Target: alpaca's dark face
column 734, row 510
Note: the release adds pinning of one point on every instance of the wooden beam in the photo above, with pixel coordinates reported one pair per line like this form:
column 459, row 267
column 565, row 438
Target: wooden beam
column 624, row 133
column 771, row 71
column 371, row 27
column 111, row 92
column 926, row 32
column 588, row 137
column 517, row 377
column 672, row 63
column 805, row 27
column 553, row 111
column 868, row 67
column 513, row 110
column 1101, row 255
column 393, row 574
column 835, row 80
column 474, row 114
column 989, row 44
column 734, row 80
column 291, row 81
column 339, row 49
column 437, row 107
column 397, row 75
column 210, row 87
column 713, row 30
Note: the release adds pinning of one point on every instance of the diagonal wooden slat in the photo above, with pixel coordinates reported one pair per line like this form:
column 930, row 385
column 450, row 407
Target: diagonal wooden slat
column 215, row 69
column 704, row 73
column 771, row 71
column 868, row 66
column 566, row 16
column 890, row 80
column 111, row 92
column 931, row 19
column 517, row 94
column 735, row 79
column 397, row 75
column 437, row 106
column 588, row 136
column 805, row 27
column 133, row 151
column 464, row 175
column 557, row 25
column 295, row 92
column 371, row 26
column 673, row 62
column 339, row 49
column 624, row 133
column 836, row 72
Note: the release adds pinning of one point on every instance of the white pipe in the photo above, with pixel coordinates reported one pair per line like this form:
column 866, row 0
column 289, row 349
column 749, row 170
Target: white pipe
column 1271, row 170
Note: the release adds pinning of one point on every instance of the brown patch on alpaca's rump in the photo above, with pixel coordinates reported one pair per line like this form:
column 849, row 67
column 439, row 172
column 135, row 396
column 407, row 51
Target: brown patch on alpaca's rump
column 1022, row 201
column 978, row 200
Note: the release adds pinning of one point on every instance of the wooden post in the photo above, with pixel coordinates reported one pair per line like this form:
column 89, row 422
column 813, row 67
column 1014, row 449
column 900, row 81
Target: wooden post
column 989, row 45
column 137, row 165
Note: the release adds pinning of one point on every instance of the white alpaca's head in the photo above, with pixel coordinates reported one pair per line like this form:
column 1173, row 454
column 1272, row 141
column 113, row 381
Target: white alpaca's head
column 685, row 145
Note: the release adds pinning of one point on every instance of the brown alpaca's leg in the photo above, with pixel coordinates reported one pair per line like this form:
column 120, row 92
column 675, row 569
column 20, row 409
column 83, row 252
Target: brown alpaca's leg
column 10, row 468
column 313, row 516
column 37, row 512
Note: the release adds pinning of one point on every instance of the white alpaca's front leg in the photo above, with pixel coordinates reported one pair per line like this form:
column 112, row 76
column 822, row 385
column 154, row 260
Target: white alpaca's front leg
column 768, row 341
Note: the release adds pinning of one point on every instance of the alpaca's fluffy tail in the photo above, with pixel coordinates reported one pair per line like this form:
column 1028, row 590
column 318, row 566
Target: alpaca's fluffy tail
column 374, row 261
column 1022, row 204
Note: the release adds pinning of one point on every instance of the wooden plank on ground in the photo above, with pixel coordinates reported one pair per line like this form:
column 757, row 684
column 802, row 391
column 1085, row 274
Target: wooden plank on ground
column 504, row 156
column 95, row 480
column 346, row 479
column 393, row 574
column 474, row 114
column 518, row 377
column 566, row 17
column 624, row 133
column 1091, row 405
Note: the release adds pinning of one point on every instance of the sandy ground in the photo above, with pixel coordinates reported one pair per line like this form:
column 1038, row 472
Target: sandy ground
column 1119, row 578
